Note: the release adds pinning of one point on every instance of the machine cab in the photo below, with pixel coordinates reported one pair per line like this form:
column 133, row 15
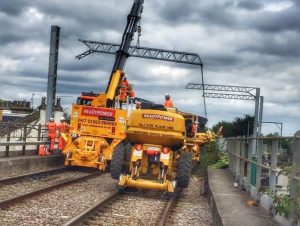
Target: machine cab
column 86, row 98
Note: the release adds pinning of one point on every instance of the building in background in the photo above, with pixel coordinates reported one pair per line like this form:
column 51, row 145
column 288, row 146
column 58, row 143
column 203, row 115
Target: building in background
column 14, row 110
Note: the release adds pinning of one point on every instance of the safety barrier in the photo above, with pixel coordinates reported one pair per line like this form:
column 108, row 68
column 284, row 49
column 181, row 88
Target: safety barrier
column 25, row 136
column 246, row 166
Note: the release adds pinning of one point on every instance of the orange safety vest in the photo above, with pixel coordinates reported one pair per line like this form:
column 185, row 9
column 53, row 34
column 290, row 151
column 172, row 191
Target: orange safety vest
column 124, row 83
column 123, row 96
column 51, row 126
column 63, row 127
column 194, row 128
column 168, row 104
column 131, row 93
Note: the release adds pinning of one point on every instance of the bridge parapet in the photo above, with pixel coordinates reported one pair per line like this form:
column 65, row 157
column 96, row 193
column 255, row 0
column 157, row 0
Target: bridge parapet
column 274, row 171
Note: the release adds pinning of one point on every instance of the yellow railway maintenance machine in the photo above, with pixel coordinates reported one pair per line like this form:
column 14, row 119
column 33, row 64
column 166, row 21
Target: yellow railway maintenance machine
column 97, row 128
column 195, row 141
column 160, row 156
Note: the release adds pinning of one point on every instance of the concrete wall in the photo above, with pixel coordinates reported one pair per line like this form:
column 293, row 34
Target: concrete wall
column 19, row 165
column 217, row 220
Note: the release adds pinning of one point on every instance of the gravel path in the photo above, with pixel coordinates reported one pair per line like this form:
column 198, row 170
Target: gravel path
column 191, row 207
column 58, row 206
column 144, row 208
column 30, row 184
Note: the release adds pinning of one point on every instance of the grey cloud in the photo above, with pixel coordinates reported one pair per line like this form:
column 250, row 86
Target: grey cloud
column 12, row 7
column 28, row 85
column 10, row 35
column 76, row 88
column 285, row 20
column 282, row 45
column 71, row 17
column 88, row 63
column 198, row 11
column 250, row 5
column 296, row 3
column 221, row 59
column 219, row 13
column 16, row 32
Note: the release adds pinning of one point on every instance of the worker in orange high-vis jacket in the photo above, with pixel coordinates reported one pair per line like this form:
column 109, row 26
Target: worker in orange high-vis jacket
column 130, row 93
column 124, row 82
column 51, row 127
column 63, row 127
column 123, row 96
column 168, row 103
column 194, row 129
column 123, row 91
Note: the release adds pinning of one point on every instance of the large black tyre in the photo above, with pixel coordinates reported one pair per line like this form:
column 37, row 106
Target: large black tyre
column 184, row 170
column 119, row 159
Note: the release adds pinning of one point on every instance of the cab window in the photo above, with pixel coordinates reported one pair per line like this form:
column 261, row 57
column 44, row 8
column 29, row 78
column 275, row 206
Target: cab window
column 84, row 101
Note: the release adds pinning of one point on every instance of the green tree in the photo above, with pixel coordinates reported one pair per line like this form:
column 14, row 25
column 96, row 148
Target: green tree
column 243, row 126
column 239, row 127
column 227, row 128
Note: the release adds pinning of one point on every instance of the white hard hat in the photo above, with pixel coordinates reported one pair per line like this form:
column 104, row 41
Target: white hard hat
column 51, row 119
column 62, row 119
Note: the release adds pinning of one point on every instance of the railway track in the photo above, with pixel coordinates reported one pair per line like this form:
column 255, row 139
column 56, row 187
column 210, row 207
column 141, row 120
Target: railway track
column 57, row 206
column 19, row 198
column 164, row 205
column 167, row 210
column 191, row 207
column 98, row 203
column 92, row 216
column 92, row 210
column 8, row 180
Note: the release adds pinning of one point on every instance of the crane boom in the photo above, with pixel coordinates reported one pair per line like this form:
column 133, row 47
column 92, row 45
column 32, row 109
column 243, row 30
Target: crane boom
column 122, row 54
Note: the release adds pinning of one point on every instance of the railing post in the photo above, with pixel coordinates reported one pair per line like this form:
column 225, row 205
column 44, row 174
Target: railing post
column 238, row 160
column 242, row 167
column 234, row 158
column 249, row 165
column 229, row 155
column 230, row 151
column 259, row 161
column 7, row 147
column 272, row 178
column 294, row 182
column 24, row 139
column 254, row 159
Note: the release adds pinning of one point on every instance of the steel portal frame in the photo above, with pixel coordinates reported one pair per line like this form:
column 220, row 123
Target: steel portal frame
column 141, row 52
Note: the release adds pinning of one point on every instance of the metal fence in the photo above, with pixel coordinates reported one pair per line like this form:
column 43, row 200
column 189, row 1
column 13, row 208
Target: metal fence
column 15, row 135
column 254, row 171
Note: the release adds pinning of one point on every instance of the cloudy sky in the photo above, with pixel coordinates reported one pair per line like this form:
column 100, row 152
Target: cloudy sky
column 246, row 43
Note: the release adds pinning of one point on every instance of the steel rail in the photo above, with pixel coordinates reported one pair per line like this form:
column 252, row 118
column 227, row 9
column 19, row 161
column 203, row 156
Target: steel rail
column 11, row 201
column 96, row 207
column 16, row 178
column 92, row 210
column 168, row 208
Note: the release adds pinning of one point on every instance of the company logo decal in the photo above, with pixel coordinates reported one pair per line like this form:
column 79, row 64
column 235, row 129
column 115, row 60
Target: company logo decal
column 98, row 112
column 160, row 117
